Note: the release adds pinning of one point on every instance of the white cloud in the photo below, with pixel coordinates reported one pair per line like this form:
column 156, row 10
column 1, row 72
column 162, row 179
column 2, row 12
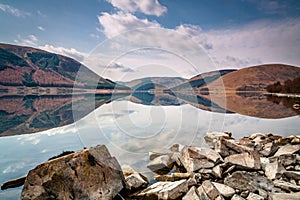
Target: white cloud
column 40, row 28
column 30, row 40
column 149, row 7
column 71, row 52
column 233, row 47
column 13, row 11
column 114, row 24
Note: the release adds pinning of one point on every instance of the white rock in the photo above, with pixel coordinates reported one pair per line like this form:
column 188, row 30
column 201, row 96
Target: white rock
column 225, row 190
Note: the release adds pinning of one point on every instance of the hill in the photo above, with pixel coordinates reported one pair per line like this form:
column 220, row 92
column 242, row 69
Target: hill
column 26, row 66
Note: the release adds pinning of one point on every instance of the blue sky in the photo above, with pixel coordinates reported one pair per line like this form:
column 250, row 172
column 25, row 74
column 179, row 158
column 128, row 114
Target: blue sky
column 233, row 33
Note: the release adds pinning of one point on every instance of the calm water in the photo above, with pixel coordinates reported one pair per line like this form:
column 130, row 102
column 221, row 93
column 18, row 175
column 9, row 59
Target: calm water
column 131, row 127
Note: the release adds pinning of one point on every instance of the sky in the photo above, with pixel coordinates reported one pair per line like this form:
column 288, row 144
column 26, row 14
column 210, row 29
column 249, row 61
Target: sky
column 121, row 39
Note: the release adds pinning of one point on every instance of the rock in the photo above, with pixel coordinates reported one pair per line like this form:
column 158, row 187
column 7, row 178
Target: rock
column 202, row 194
column 88, row 174
column 206, row 153
column 244, row 160
column 153, row 155
column 13, row 183
column 228, row 147
column 245, row 181
column 285, row 196
column 192, row 182
column 268, row 149
column 164, row 190
column 290, row 149
column 274, row 170
column 133, row 179
column 212, row 137
column 176, row 148
column 161, row 164
column 173, row 177
column 293, row 174
column 211, row 191
column 286, row 185
column 217, row 171
column 286, row 160
column 237, row 197
column 225, row 190
column 192, row 161
column 192, row 194
column 253, row 196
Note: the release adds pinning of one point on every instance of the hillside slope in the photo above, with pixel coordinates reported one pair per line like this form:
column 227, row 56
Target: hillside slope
column 26, row 66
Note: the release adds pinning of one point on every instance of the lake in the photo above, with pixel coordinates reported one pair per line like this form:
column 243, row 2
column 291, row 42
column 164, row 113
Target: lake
column 130, row 126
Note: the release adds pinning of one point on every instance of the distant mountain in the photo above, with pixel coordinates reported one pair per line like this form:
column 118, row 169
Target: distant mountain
column 149, row 83
column 242, row 91
column 26, row 66
column 202, row 80
column 255, row 78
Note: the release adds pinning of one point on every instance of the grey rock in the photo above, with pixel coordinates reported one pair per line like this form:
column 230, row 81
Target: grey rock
column 274, row 170
column 228, row 147
column 88, row 174
column 293, row 174
column 290, row 149
column 268, row 149
column 285, row 196
column 136, row 181
column 192, row 162
column 286, row 185
column 173, row 177
column 192, row 194
column 211, row 191
column 202, row 194
column 192, row 182
column 153, row 155
column 206, row 153
column 161, row 164
column 225, row 190
column 253, row 196
column 244, row 160
column 217, row 171
column 212, row 137
column 244, row 181
column 237, row 197
column 164, row 190
column 285, row 159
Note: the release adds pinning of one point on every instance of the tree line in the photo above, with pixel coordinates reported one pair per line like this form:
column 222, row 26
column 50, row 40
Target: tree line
column 289, row 86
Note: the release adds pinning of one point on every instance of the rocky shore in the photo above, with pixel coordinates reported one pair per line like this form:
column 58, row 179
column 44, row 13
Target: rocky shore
column 261, row 166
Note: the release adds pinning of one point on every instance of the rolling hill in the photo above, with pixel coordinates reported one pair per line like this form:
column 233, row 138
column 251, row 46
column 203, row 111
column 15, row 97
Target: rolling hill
column 26, row 66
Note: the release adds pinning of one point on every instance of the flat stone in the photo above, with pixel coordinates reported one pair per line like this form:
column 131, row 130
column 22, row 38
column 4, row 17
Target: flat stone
column 206, row 153
column 153, row 155
column 225, row 190
column 173, row 177
column 164, row 190
column 217, row 171
column 285, row 196
column 253, row 196
column 274, row 170
column 293, row 175
column 136, row 181
column 161, row 164
column 211, row 191
column 228, row 147
column 290, row 149
column 286, row 159
column 286, row 185
column 237, row 197
column 244, row 181
column 202, row 194
column 192, row 194
column 191, row 161
column 88, row 174
column 212, row 137
column 268, row 149
column 244, row 160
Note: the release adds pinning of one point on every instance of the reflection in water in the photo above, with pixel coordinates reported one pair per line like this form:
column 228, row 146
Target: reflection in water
column 30, row 114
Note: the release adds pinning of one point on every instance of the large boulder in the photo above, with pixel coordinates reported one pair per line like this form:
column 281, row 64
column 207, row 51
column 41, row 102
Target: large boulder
column 88, row 174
